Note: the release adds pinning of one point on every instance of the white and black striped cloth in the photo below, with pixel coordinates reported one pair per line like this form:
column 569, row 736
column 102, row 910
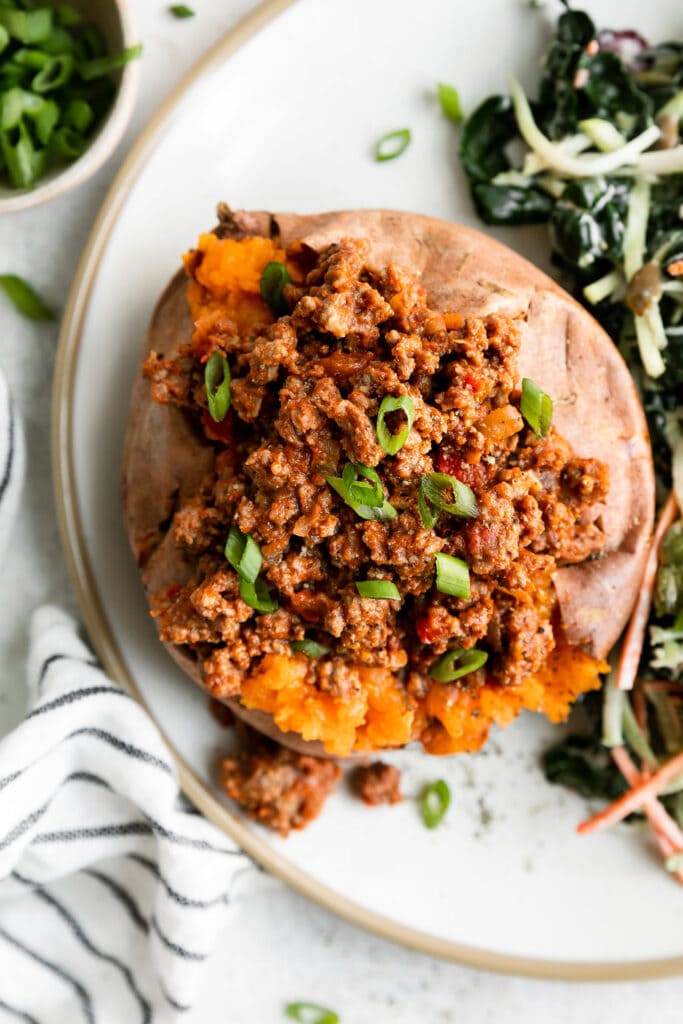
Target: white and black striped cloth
column 112, row 888
column 11, row 461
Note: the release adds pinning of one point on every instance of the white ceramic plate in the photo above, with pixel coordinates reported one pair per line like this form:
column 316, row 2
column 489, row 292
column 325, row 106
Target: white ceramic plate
column 285, row 119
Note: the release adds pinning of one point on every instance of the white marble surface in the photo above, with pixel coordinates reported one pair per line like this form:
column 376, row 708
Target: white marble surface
column 282, row 947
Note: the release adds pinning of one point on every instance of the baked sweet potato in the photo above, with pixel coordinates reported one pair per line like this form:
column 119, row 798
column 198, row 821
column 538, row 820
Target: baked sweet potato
column 596, row 410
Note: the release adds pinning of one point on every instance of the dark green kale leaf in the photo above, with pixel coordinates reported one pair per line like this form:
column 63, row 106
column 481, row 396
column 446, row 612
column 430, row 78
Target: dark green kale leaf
column 485, row 136
column 582, row 764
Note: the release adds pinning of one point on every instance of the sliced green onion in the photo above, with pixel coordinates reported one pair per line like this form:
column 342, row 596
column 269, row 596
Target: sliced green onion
column 27, row 26
column 452, row 576
column 428, row 515
column 273, row 280
column 349, row 491
column 310, row 648
column 457, row 663
column 257, row 596
column 536, row 408
column 217, row 383
column 450, row 102
column 25, row 298
column 79, row 114
column 181, row 11
column 68, row 142
column 365, row 493
column 105, row 65
column 380, row 590
column 434, row 489
column 435, row 800
column 54, row 74
column 392, row 144
column 4, row 39
column 243, row 554
column 392, row 443
column 67, row 16
column 311, row 1013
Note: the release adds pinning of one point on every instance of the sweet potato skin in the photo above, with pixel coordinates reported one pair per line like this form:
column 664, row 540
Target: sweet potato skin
column 596, row 408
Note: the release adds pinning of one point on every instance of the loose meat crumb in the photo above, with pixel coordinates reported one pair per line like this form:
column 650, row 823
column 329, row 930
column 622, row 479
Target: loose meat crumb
column 278, row 787
column 376, row 783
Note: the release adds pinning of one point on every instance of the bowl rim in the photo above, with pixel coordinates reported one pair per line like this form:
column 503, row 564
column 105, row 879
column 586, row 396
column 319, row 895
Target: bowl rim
column 105, row 142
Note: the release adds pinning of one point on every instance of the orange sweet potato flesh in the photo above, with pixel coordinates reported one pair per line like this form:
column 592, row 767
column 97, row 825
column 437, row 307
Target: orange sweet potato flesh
column 596, row 410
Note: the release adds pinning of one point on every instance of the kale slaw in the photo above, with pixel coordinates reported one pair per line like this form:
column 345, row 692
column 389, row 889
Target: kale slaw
column 603, row 168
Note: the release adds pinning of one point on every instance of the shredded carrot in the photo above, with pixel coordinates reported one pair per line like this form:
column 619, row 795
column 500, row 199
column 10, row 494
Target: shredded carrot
column 675, row 268
column 635, row 634
column 668, row 835
column 635, row 798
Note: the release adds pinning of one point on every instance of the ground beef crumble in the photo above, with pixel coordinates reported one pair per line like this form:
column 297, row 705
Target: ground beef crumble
column 376, row 783
column 305, row 394
column 276, row 786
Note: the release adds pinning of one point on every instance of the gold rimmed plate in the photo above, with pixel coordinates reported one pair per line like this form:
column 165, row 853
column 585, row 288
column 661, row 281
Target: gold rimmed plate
column 282, row 114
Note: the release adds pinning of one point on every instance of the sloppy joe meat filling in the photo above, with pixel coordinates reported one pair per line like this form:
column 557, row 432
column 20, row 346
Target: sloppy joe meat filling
column 306, row 389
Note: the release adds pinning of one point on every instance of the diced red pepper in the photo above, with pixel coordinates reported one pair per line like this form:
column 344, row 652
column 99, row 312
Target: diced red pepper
column 223, row 431
column 425, row 629
column 472, row 382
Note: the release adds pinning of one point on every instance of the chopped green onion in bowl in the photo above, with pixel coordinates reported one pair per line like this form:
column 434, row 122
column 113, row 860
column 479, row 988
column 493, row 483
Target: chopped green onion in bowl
column 56, row 88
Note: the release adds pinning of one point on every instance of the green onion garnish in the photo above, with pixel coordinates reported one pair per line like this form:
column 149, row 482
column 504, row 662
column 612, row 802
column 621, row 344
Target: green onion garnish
column 392, row 443
column 257, row 596
column 181, row 11
column 54, row 74
column 24, row 298
column 536, row 408
column 67, row 16
column 365, row 493
column 105, row 65
column 217, row 383
column 273, row 280
column 452, row 576
column 450, row 102
column 367, row 502
column 311, row 1013
column 27, row 26
column 392, row 145
column 433, row 498
column 310, row 648
column 435, row 800
column 380, row 590
column 243, row 554
column 457, row 663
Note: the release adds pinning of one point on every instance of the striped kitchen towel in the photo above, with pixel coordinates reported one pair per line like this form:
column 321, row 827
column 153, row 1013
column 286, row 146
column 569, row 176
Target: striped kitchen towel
column 11, row 461
column 112, row 888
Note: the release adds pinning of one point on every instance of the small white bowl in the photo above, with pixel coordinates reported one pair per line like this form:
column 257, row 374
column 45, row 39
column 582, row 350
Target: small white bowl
column 114, row 19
